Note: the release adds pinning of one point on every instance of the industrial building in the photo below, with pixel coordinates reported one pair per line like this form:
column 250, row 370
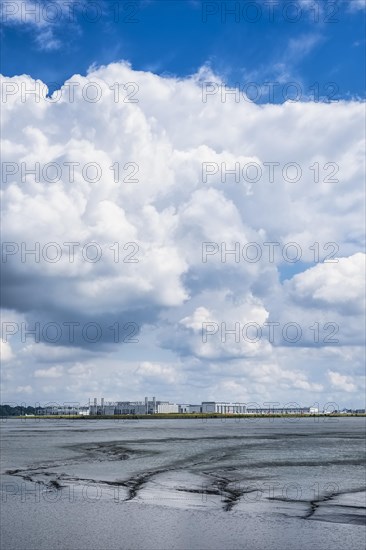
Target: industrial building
column 153, row 406
column 283, row 410
column 62, row 410
column 148, row 406
column 125, row 407
column 190, row 409
column 243, row 408
column 223, row 408
column 166, row 407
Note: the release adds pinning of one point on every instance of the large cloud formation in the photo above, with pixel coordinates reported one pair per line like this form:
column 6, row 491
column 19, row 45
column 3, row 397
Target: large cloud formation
column 151, row 203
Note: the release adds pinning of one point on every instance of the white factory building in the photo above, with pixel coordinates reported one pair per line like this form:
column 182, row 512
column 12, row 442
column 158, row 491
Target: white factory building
column 248, row 408
column 223, row 408
column 166, row 407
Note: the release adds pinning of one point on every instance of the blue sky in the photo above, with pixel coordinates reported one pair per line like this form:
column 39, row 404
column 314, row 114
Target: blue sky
column 288, row 42
column 211, row 173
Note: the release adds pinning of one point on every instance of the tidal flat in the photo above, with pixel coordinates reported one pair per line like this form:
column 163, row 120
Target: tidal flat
column 238, row 483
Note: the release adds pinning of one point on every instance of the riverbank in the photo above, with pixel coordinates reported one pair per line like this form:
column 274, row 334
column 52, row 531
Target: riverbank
column 183, row 416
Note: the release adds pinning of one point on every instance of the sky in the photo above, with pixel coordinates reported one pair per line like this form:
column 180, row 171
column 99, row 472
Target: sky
column 183, row 201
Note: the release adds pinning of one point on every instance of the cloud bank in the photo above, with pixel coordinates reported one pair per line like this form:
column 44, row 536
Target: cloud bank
column 159, row 217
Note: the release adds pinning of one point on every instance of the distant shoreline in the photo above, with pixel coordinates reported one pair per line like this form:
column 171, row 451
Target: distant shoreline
column 180, row 416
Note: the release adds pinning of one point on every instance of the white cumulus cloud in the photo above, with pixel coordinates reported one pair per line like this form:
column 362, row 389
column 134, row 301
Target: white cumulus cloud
column 146, row 215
